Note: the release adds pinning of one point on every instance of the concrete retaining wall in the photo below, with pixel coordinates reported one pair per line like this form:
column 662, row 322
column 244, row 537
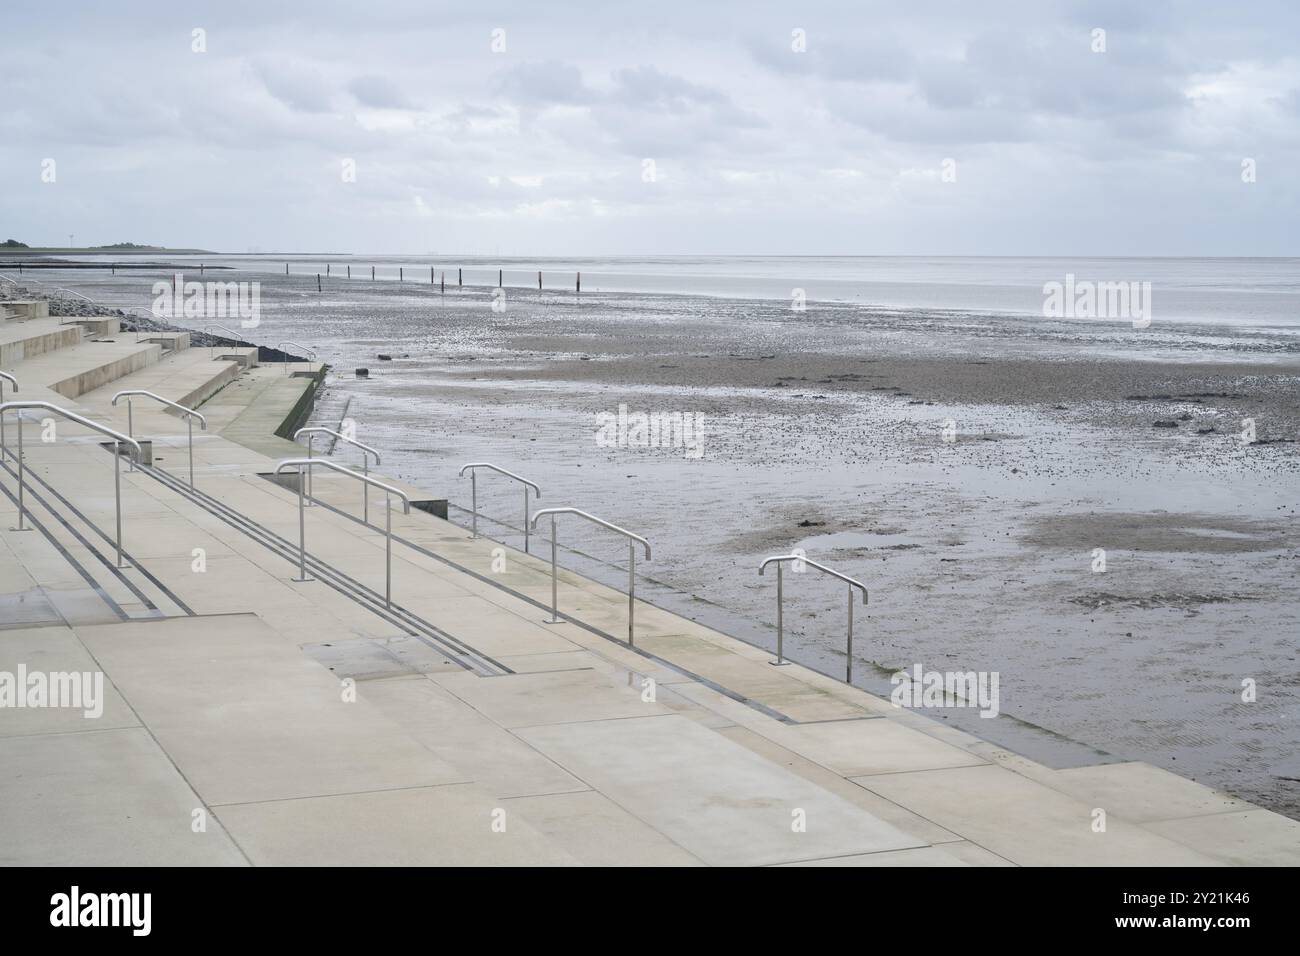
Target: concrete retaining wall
column 12, row 353
column 110, row 371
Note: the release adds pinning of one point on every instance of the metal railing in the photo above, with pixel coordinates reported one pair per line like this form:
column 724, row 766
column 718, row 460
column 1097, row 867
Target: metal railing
column 780, row 633
column 473, row 493
column 309, row 463
column 189, row 413
column 314, row 430
column 5, row 377
column 310, row 351
column 212, row 349
column 633, row 541
column 118, row 438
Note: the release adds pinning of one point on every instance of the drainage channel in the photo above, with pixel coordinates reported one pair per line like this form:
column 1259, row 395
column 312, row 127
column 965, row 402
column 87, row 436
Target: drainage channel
column 430, row 634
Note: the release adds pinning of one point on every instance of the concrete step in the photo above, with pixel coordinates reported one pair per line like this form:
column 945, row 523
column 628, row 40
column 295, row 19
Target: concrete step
column 27, row 308
column 97, row 326
column 75, row 370
column 23, row 340
column 188, row 377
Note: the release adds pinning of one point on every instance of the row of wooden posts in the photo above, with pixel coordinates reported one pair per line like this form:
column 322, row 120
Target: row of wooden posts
column 442, row 282
column 434, row 279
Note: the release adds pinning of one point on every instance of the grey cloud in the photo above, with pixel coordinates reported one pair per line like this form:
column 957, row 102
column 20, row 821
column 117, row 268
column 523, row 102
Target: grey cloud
column 379, row 92
column 298, row 87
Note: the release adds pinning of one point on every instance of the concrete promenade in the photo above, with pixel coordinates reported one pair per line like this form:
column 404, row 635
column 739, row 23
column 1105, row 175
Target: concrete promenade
column 249, row 717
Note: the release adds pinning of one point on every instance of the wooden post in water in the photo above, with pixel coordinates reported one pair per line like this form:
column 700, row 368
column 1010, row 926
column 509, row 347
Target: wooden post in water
column 286, row 268
column 200, row 268
column 372, row 273
column 431, row 279
column 401, row 274
column 444, row 283
column 327, row 268
column 539, row 280
column 579, row 289
column 349, row 271
column 318, row 282
column 459, row 283
column 498, row 278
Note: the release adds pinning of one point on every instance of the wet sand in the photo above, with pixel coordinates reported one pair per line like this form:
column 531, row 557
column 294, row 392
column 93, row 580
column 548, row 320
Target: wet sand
column 825, row 431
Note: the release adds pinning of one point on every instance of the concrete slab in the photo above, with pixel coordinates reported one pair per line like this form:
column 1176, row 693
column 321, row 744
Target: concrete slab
column 855, row 748
column 925, row 831
column 523, row 700
column 247, row 717
column 427, row 826
column 1025, row 822
column 1141, row 793
column 108, row 798
column 1246, row 838
column 50, row 650
column 717, row 800
column 598, row 832
column 495, row 759
column 921, row 856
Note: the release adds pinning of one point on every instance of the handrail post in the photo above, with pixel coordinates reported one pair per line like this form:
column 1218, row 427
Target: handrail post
column 631, row 589
column 130, row 428
column 848, row 653
column 525, row 519
column 189, row 422
column 310, row 486
column 21, row 480
column 780, row 628
column 302, row 533
column 555, row 600
column 388, row 545
column 365, row 489
column 117, row 494
column 473, row 503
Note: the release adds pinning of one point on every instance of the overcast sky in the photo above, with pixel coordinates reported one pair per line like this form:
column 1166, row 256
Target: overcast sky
column 542, row 148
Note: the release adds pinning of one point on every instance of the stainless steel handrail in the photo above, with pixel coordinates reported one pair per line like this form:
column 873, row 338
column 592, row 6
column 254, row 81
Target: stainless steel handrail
column 190, row 415
column 224, row 328
column 633, row 541
column 308, row 349
column 314, row 430
column 473, row 493
column 309, row 463
column 781, row 559
column 5, row 377
column 117, row 437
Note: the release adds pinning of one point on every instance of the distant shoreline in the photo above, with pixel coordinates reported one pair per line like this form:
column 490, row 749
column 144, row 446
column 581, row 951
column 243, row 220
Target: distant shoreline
column 101, row 251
